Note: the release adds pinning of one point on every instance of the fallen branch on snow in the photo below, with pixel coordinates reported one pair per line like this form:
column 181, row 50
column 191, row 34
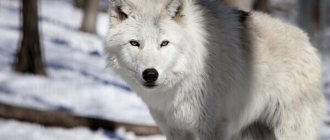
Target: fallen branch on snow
column 67, row 120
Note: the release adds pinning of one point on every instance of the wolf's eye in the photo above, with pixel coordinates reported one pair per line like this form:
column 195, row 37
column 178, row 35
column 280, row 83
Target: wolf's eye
column 164, row 43
column 134, row 43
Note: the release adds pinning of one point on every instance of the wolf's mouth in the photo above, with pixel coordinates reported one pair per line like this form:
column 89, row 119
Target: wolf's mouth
column 149, row 84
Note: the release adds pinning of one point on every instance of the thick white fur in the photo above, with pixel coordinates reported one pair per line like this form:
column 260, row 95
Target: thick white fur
column 219, row 78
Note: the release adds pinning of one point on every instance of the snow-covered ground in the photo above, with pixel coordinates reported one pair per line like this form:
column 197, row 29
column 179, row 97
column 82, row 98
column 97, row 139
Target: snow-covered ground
column 13, row 130
column 78, row 81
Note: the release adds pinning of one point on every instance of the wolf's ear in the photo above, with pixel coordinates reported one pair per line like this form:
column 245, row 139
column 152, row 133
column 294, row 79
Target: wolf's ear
column 120, row 9
column 175, row 8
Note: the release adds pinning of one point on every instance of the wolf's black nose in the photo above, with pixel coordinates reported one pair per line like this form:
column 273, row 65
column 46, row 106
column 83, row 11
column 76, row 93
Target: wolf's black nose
column 150, row 75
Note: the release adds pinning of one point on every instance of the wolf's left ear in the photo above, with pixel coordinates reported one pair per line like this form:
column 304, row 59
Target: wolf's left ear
column 175, row 8
column 120, row 9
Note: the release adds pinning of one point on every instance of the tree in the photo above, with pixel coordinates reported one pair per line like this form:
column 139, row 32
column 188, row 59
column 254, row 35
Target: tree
column 90, row 16
column 78, row 3
column 261, row 5
column 311, row 19
column 248, row 5
column 245, row 5
column 29, row 55
column 324, row 10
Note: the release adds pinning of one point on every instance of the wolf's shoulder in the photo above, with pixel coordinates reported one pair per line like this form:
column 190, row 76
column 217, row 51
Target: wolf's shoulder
column 278, row 38
column 266, row 26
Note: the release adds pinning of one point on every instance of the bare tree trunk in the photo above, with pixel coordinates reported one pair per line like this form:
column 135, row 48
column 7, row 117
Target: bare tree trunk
column 261, row 5
column 90, row 16
column 323, row 20
column 245, row 5
column 29, row 55
column 79, row 3
column 309, row 19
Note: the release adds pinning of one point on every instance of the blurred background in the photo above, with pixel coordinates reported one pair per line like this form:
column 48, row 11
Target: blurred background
column 54, row 83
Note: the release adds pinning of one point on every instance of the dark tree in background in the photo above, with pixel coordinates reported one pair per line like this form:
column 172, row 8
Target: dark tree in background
column 325, row 20
column 91, row 8
column 245, row 5
column 248, row 5
column 29, row 55
column 261, row 5
column 312, row 18
column 78, row 3
column 309, row 17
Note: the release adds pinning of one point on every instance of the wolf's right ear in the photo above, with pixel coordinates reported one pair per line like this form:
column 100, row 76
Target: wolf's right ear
column 120, row 9
column 175, row 8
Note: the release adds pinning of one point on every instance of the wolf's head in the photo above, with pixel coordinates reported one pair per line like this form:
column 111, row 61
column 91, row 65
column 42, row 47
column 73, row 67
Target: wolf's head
column 152, row 43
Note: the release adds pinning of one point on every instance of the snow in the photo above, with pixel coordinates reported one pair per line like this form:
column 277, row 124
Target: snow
column 28, row 131
column 37, row 132
column 78, row 80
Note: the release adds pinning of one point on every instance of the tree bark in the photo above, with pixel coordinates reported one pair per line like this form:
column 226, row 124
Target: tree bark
column 309, row 19
column 91, row 8
column 245, row 5
column 67, row 120
column 29, row 55
column 262, row 5
column 79, row 3
column 324, row 6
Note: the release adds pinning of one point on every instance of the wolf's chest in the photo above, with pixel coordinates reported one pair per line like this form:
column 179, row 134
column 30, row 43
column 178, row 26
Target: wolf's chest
column 184, row 115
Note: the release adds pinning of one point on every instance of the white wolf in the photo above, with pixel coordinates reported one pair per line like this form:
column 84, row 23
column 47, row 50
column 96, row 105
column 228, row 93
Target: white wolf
column 210, row 72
